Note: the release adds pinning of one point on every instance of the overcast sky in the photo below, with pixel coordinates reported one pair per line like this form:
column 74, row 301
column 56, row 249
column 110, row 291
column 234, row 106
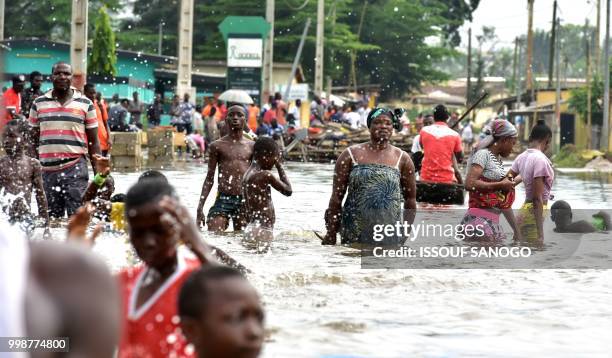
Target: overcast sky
column 509, row 17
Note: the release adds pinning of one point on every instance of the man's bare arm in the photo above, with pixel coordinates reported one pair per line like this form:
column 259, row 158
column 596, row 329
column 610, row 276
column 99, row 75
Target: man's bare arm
column 209, row 181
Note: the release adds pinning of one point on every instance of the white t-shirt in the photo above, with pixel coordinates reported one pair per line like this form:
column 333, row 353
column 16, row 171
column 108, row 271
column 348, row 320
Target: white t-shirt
column 466, row 134
column 296, row 114
column 363, row 113
column 416, row 145
column 354, row 119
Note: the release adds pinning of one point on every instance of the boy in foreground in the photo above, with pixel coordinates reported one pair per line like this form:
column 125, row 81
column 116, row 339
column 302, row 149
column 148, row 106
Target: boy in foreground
column 232, row 154
column 221, row 314
column 256, row 188
column 561, row 214
column 20, row 175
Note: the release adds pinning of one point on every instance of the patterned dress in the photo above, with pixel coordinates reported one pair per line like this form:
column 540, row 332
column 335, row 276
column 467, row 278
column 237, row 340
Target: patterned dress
column 485, row 206
column 374, row 198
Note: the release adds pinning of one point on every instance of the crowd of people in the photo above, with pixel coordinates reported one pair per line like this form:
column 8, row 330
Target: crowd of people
column 201, row 304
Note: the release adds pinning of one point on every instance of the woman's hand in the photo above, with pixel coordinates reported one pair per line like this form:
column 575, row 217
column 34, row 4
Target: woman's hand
column 506, row 184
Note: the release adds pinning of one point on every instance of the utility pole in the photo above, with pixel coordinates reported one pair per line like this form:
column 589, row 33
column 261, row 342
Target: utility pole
column 296, row 60
column 468, row 91
column 588, row 84
column 318, row 83
column 597, row 45
column 557, row 119
column 332, row 54
column 1, row 20
column 518, row 79
column 78, row 43
column 529, row 78
column 159, row 38
column 606, row 120
column 551, row 59
column 183, row 80
column 514, row 63
column 268, row 65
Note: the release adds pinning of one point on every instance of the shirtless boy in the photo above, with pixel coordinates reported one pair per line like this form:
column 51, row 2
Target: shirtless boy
column 256, row 187
column 20, row 175
column 232, row 154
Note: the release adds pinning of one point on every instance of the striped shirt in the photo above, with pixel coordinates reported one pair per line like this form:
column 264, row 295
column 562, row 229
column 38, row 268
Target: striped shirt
column 63, row 139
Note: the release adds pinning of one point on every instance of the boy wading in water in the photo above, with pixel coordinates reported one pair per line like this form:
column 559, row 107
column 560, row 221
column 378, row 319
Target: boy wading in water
column 20, row 175
column 232, row 153
column 256, row 189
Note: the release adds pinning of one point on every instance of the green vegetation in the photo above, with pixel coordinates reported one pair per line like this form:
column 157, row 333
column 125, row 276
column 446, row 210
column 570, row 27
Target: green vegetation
column 103, row 58
column 569, row 157
column 384, row 39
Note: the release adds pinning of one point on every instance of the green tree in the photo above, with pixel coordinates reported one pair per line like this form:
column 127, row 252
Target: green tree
column 455, row 13
column 103, row 58
column 404, row 59
column 391, row 49
column 578, row 101
column 45, row 19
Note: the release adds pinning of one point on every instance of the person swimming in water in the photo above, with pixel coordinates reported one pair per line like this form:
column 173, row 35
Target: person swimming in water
column 561, row 215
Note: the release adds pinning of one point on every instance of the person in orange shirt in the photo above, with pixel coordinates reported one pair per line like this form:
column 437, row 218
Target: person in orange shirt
column 253, row 115
column 280, row 105
column 207, row 107
column 103, row 129
column 11, row 98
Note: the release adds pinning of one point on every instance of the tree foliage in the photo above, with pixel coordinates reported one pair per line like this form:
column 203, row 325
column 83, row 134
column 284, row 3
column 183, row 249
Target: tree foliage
column 394, row 48
column 103, row 57
column 45, row 19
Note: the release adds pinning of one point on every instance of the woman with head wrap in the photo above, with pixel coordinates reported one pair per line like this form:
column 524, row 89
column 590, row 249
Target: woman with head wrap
column 378, row 177
column 491, row 190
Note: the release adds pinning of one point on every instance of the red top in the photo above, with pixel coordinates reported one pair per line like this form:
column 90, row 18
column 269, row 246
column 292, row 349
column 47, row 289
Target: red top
column 10, row 98
column 439, row 144
column 269, row 116
column 152, row 330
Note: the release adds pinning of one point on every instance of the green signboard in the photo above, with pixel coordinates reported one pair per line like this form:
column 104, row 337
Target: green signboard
column 244, row 37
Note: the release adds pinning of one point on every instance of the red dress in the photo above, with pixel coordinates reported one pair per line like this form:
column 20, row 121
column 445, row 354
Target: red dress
column 152, row 330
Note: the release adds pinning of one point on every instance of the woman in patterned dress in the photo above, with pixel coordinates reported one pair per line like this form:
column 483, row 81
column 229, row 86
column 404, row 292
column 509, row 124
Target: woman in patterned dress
column 378, row 177
column 491, row 190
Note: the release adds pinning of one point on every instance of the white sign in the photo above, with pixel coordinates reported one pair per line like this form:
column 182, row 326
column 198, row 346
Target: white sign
column 243, row 52
column 297, row 91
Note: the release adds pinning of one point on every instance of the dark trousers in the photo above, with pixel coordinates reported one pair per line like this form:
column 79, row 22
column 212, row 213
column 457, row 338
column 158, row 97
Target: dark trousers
column 65, row 188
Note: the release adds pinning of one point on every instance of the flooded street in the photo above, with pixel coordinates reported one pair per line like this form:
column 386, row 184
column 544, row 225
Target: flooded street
column 319, row 302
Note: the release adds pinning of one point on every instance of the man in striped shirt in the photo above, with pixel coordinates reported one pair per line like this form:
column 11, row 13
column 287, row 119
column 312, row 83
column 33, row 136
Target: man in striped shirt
column 65, row 130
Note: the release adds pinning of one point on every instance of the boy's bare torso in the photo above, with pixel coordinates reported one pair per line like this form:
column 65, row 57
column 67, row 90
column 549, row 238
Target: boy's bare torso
column 233, row 158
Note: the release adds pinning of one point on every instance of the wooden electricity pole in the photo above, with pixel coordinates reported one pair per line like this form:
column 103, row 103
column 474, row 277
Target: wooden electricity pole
column 318, row 83
column 529, row 79
column 78, row 43
column 468, row 91
column 183, row 80
column 1, row 20
column 588, row 84
column 606, row 73
column 597, row 45
column 514, row 63
column 268, row 60
column 557, row 119
column 551, row 59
